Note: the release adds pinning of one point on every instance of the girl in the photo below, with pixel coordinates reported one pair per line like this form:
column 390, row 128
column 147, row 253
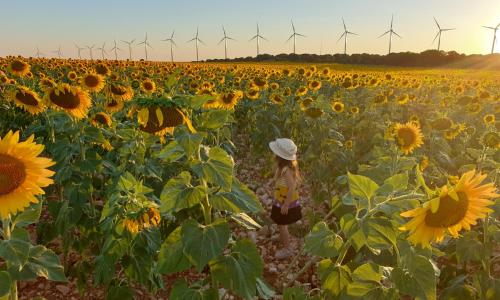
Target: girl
column 286, row 207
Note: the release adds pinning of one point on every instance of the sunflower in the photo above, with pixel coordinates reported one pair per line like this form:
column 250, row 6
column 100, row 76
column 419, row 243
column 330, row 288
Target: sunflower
column 455, row 208
column 408, row 136
column 489, row 119
column 27, row 99
column 148, row 86
column 442, row 124
column 301, row 91
column 277, row 99
column 160, row 120
column 259, row 83
column 305, row 103
column 355, row 110
column 102, row 69
column 148, row 218
column 454, row 131
column 101, row 119
column 19, row 67
column 73, row 100
column 72, row 75
column 211, row 103
column 348, row 144
column 314, row 85
column 93, row 82
column 230, row 99
column 491, row 140
column 313, row 112
column 337, row 106
column 252, row 94
column 114, row 106
column 23, row 173
column 120, row 92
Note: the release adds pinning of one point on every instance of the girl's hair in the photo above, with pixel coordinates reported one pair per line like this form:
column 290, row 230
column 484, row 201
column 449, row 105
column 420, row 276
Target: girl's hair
column 291, row 164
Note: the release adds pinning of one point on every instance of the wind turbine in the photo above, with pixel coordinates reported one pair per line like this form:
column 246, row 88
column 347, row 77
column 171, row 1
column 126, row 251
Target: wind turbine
column 494, row 36
column 172, row 43
column 79, row 51
column 103, row 50
column 90, row 51
column 225, row 38
column 344, row 35
column 38, row 53
column 257, row 37
column 146, row 45
column 129, row 48
column 115, row 48
column 294, row 36
column 196, row 40
column 390, row 32
column 438, row 35
column 58, row 52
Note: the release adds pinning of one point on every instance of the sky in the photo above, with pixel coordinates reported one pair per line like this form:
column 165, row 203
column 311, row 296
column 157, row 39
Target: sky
column 27, row 24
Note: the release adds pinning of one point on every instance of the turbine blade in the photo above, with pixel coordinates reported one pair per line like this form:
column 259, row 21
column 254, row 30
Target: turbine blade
column 202, row 42
column 448, row 29
column 349, row 32
column 384, row 33
column 221, row 40
column 264, row 38
column 439, row 27
column 345, row 29
column 489, row 27
column 191, row 40
column 252, row 38
column 299, row 34
column 341, row 36
column 437, row 34
column 290, row 37
column 397, row 34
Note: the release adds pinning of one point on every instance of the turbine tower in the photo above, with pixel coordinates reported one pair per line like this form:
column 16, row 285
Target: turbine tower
column 494, row 36
column 129, row 48
column 172, row 43
column 79, row 51
column 225, row 38
column 115, row 48
column 38, row 53
column 146, row 45
column 196, row 40
column 58, row 52
column 90, row 51
column 103, row 50
column 344, row 35
column 438, row 34
column 294, row 36
column 390, row 32
column 257, row 37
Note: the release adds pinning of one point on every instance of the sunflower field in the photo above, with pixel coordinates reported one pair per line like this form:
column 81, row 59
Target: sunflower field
column 126, row 177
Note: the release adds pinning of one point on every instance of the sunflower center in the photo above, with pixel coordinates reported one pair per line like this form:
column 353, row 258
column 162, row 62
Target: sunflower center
column 101, row 119
column 12, row 173
column 406, row 136
column 450, row 211
column 66, row 99
column 18, row 66
column 118, row 90
column 27, row 98
column 91, row 81
column 148, row 85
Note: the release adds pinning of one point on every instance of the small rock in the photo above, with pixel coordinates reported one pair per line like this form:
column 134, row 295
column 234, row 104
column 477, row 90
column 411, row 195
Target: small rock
column 63, row 289
column 273, row 270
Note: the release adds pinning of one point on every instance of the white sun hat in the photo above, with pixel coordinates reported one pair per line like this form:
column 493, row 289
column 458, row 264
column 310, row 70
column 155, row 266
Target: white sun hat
column 284, row 148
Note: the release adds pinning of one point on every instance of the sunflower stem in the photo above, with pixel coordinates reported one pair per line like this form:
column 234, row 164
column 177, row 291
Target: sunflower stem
column 7, row 230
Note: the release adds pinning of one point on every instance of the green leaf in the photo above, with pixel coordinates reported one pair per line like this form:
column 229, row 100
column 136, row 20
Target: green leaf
column 197, row 101
column 190, row 143
column 123, row 292
column 246, row 221
column 5, row 282
column 416, row 278
column 171, row 258
column 380, row 232
column 322, row 241
column 28, row 216
column 172, row 152
column 393, row 184
column 45, row 263
column 334, row 278
column 15, row 251
column 264, row 291
column 239, row 270
column 239, row 199
column 181, row 291
column 361, row 186
column 367, row 272
column 294, row 293
column 214, row 119
column 203, row 243
column 178, row 193
column 217, row 170
column 469, row 248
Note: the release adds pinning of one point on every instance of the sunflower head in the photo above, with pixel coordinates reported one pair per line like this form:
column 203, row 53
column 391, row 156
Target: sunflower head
column 313, row 112
column 23, row 173
column 489, row 119
column 491, row 139
column 337, row 106
column 101, row 119
column 452, row 209
column 229, row 99
column 408, row 136
column 148, row 86
column 93, row 82
column 27, row 99
column 71, row 99
column 19, row 67
column 442, row 124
